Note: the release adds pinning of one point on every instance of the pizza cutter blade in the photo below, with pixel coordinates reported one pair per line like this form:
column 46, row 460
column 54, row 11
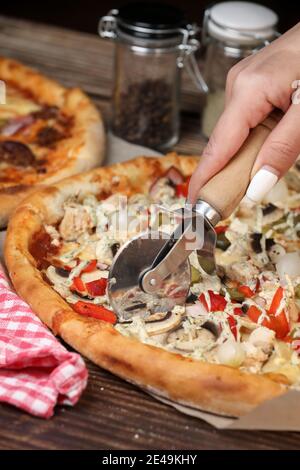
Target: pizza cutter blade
column 151, row 272
column 125, row 290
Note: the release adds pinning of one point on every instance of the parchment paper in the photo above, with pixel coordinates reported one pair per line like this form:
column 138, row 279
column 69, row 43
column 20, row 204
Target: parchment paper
column 279, row 414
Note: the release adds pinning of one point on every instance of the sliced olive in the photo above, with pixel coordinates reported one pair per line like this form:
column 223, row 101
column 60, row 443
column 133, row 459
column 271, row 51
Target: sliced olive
column 245, row 308
column 269, row 243
column 255, row 242
column 297, row 291
column 114, row 248
column 192, row 298
column 269, row 208
column 195, row 275
column 62, row 272
column 235, row 294
column 222, row 241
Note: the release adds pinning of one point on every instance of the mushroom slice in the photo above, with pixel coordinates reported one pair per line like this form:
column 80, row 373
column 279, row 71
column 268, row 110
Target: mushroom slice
column 212, row 328
column 272, row 214
column 202, row 338
column 157, row 316
column 163, row 324
column 55, row 278
column 292, row 178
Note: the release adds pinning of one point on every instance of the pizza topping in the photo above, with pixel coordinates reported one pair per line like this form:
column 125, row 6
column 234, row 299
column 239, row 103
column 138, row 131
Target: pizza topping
column 237, row 318
column 222, row 241
column 41, row 248
column 231, row 353
column 76, row 221
column 62, row 272
column 272, row 216
column 242, row 271
column 288, row 264
column 213, row 302
column 46, row 113
column 48, row 136
column 170, row 321
column 15, row 125
column 182, row 188
column 16, row 154
column 57, row 276
column 183, row 340
column 95, row 311
column 162, row 190
column 17, row 103
column 174, row 176
column 91, row 266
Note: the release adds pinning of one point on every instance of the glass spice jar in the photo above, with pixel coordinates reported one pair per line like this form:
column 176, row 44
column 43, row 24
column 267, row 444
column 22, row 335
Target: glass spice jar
column 152, row 45
column 231, row 31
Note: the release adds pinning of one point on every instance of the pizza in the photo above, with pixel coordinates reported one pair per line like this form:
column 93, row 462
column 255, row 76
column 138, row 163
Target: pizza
column 47, row 132
column 236, row 342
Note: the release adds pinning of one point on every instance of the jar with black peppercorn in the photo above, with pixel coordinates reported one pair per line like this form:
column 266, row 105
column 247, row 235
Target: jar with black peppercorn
column 152, row 45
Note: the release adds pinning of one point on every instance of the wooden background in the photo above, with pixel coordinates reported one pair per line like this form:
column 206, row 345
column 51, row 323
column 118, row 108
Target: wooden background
column 83, row 15
column 111, row 413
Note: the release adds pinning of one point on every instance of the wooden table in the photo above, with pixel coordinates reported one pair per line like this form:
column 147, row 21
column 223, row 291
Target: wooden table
column 111, row 413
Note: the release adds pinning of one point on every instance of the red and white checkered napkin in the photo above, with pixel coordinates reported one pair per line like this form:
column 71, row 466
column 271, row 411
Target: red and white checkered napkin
column 36, row 371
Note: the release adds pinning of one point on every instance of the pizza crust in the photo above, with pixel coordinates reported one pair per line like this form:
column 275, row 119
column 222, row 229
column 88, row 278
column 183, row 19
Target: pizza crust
column 85, row 149
column 204, row 386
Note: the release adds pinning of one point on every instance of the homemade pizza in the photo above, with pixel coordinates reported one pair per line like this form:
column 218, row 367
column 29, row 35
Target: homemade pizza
column 236, row 342
column 47, row 132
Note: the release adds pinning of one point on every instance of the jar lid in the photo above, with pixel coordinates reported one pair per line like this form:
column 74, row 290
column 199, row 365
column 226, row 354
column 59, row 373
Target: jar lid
column 242, row 23
column 150, row 20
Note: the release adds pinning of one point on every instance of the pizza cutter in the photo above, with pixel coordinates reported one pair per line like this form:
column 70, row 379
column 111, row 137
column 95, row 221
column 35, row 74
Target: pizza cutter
column 151, row 272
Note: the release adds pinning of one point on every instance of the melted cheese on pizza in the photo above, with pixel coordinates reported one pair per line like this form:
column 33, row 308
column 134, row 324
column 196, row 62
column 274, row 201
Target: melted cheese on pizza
column 246, row 316
column 17, row 104
column 30, row 138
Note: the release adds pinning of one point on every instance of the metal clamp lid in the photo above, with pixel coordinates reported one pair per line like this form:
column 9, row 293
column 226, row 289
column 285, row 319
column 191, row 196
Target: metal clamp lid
column 108, row 24
column 109, row 28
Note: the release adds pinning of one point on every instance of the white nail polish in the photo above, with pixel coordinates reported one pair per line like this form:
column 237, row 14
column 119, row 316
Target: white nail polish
column 261, row 183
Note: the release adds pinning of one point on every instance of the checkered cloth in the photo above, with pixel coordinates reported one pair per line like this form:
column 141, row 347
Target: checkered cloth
column 36, row 371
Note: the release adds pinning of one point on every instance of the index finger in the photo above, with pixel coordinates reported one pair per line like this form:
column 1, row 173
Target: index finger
column 228, row 136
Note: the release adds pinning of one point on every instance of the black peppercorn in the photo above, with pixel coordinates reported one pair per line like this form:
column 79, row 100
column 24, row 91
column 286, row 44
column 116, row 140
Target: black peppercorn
column 145, row 113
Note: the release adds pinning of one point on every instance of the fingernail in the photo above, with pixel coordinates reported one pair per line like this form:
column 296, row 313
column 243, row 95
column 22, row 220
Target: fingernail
column 261, row 183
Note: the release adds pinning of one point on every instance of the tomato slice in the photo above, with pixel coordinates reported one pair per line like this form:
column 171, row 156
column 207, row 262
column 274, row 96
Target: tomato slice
column 281, row 325
column 217, row 302
column 95, row 311
column 233, row 325
column 78, row 284
column 182, row 188
column 221, row 229
column 278, row 296
column 238, row 311
column 246, row 291
column 90, row 267
column 97, row 287
column 254, row 313
column 278, row 323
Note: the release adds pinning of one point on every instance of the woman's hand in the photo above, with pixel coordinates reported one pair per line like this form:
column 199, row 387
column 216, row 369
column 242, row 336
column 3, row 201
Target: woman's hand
column 255, row 86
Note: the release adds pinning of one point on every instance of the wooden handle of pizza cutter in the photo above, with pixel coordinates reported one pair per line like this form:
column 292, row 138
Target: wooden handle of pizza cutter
column 227, row 188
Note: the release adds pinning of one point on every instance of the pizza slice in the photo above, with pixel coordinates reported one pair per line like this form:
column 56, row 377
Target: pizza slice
column 237, row 341
column 47, row 132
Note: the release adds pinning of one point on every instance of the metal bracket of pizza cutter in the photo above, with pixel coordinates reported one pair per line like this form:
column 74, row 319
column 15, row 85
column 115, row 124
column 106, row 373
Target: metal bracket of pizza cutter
column 194, row 233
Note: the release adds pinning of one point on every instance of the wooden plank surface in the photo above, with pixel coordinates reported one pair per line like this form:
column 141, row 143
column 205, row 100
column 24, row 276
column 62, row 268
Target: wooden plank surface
column 111, row 413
